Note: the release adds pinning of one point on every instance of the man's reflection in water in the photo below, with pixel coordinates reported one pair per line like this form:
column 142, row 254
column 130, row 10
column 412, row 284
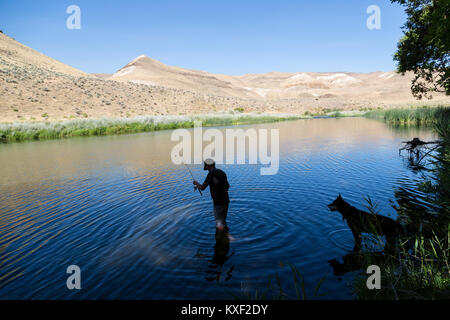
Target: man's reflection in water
column 220, row 256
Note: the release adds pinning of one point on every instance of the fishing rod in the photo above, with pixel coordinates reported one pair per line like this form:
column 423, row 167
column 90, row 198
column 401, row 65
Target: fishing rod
column 193, row 179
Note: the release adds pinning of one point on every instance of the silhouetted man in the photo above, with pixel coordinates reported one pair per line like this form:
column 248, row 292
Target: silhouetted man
column 218, row 185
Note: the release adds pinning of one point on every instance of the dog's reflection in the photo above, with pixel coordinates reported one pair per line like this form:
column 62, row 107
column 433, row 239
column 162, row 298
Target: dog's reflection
column 356, row 260
column 221, row 249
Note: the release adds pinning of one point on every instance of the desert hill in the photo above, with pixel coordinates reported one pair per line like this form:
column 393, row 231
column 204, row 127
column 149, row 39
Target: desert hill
column 390, row 87
column 152, row 72
column 35, row 87
column 15, row 54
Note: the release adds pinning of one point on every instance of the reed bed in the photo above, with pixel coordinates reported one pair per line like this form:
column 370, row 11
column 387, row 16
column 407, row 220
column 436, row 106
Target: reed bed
column 421, row 272
column 411, row 116
column 17, row 132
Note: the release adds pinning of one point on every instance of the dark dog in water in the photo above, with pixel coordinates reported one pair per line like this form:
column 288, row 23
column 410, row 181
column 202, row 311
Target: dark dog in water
column 360, row 221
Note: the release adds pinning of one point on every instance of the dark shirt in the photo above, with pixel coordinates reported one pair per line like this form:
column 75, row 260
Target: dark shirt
column 218, row 185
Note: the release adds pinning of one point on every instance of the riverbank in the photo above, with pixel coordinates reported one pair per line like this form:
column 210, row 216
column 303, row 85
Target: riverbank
column 421, row 267
column 418, row 116
column 44, row 130
column 25, row 131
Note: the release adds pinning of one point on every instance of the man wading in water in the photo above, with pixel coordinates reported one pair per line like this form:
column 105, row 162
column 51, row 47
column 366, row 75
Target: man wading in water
column 218, row 185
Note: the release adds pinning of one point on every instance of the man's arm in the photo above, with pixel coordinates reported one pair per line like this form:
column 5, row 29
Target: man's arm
column 205, row 184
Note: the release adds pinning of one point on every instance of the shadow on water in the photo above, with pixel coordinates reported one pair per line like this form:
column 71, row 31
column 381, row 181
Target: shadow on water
column 221, row 250
column 424, row 209
column 355, row 261
column 215, row 269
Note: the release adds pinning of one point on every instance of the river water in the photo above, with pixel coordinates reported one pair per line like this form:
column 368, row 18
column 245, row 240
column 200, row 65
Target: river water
column 118, row 208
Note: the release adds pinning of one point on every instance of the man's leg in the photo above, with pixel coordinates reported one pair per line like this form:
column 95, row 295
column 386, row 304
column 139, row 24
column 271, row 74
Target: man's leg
column 220, row 213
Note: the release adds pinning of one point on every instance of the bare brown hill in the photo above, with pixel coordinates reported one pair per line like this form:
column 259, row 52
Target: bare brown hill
column 376, row 87
column 35, row 87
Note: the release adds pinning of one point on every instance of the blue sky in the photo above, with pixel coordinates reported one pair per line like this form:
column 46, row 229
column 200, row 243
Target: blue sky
column 229, row 37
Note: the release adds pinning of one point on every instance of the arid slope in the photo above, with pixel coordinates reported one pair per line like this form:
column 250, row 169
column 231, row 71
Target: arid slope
column 34, row 87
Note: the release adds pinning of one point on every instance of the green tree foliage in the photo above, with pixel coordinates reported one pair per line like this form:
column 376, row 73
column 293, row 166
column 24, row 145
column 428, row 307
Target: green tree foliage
column 425, row 46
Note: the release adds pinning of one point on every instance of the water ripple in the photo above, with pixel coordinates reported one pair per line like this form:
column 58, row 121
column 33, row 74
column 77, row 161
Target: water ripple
column 134, row 225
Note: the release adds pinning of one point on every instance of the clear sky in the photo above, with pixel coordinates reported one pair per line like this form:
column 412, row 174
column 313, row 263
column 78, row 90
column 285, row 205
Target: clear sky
column 229, row 37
